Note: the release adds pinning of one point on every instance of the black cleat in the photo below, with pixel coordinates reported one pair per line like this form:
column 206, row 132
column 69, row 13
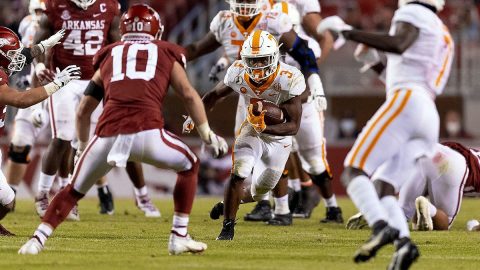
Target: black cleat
column 281, row 220
column 217, row 210
column 334, row 215
column 308, row 200
column 261, row 212
column 106, row 200
column 5, row 232
column 228, row 230
column 382, row 235
column 406, row 254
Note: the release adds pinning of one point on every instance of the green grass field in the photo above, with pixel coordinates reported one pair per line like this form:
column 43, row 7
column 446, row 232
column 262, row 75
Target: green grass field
column 128, row 240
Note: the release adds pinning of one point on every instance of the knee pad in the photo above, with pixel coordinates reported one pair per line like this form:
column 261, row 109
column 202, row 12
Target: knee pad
column 265, row 183
column 19, row 156
column 321, row 179
column 7, row 195
column 242, row 168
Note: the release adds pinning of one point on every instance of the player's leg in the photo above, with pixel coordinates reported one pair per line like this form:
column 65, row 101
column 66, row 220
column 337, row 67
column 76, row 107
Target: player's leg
column 91, row 166
column 163, row 149
column 62, row 115
column 282, row 215
column 64, row 179
column 142, row 200
column 312, row 149
column 7, row 202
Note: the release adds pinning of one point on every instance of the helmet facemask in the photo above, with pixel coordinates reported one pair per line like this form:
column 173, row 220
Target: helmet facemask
column 241, row 8
column 16, row 58
column 260, row 67
column 84, row 4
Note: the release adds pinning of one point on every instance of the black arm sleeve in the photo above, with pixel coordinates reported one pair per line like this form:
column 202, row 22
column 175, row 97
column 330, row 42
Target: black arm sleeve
column 28, row 55
column 95, row 91
column 304, row 56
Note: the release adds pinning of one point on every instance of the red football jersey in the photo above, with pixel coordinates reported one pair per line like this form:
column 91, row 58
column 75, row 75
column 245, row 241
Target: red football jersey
column 86, row 32
column 3, row 108
column 136, row 77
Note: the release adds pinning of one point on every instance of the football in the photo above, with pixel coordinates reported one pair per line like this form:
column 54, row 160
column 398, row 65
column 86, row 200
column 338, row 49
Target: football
column 274, row 114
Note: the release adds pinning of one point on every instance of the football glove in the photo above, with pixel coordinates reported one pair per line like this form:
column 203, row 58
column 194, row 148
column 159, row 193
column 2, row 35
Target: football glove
column 472, row 224
column 217, row 68
column 188, row 124
column 63, row 77
column 38, row 117
column 257, row 122
column 317, row 94
column 366, row 55
column 51, row 41
column 334, row 24
column 217, row 144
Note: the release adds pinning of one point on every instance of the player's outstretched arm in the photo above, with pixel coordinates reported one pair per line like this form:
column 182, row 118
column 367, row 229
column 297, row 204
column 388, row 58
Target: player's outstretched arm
column 310, row 23
column 204, row 46
column 293, row 114
column 194, row 105
column 25, row 99
column 89, row 102
column 299, row 50
column 218, row 93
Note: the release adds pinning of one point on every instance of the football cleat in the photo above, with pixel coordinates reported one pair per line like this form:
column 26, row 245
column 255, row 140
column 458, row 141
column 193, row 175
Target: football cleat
column 261, row 212
column 31, row 247
column 406, row 254
column 281, row 220
column 424, row 220
column 308, row 199
column 382, row 235
column 228, row 230
column 74, row 215
column 178, row 244
column 356, row 222
column 333, row 215
column 217, row 210
column 41, row 203
column 146, row 205
column 5, row 232
column 106, row 201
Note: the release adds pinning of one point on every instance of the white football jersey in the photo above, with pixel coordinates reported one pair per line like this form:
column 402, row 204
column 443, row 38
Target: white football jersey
column 427, row 62
column 285, row 83
column 27, row 29
column 231, row 34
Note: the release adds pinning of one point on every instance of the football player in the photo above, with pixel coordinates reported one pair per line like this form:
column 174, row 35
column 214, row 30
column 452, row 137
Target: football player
column 89, row 25
column 13, row 58
column 419, row 49
column 230, row 28
column 133, row 85
column 259, row 149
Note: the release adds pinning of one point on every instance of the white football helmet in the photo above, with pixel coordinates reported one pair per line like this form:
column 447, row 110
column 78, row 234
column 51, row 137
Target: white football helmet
column 36, row 4
column 291, row 11
column 84, row 4
column 247, row 8
column 438, row 4
column 260, row 53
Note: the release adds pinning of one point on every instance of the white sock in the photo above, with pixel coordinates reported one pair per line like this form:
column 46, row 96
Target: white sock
column 42, row 233
column 139, row 192
column 180, row 225
column 396, row 216
column 64, row 181
column 363, row 194
column 433, row 209
column 330, row 202
column 295, row 184
column 102, row 185
column 281, row 205
column 45, row 182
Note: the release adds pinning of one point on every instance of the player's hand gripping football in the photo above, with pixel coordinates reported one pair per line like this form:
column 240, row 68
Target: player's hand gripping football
column 366, row 55
column 51, row 41
column 188, row 124
column 257, row 122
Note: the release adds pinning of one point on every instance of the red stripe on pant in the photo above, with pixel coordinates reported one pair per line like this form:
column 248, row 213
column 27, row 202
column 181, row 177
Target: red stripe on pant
column 186, row 186
column 460, row 195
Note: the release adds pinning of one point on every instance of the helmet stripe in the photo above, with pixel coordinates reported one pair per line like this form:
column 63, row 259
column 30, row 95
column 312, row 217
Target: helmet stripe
column 256, row 41
column 285, row 7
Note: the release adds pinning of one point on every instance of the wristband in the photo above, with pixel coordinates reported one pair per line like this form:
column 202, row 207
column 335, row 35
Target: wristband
column 204, row 131
column 51, row 88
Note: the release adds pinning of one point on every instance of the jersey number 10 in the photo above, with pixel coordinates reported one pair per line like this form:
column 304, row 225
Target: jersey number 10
column 131, row 71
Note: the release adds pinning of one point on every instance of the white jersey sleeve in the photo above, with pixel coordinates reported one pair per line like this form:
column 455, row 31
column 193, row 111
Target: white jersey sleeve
column 277, row 23
column 297, row 83
column 307, row 6
column 410, row 14
column 219, row 24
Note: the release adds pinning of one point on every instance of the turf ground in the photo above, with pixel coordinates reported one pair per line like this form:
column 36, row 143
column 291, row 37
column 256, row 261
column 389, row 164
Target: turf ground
column 128, row 240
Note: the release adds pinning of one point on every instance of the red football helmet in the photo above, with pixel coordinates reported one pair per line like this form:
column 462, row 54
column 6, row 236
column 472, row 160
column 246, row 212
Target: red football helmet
column 11, row 57
column 141, row 22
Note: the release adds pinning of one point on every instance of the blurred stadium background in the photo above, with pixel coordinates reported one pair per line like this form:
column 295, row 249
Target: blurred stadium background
column 353, row 97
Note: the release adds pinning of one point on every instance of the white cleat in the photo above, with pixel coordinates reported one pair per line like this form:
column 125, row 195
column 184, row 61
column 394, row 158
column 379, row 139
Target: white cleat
column 74, row 215
column 41, row 203
column 31, row 247
column 424, row 220
column 146, row 206
column 181, row 244
column 356, row 222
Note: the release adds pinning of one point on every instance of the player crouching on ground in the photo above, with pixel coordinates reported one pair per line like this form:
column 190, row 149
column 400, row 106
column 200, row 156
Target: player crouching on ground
column 260, row 149
column 131, row 125
column 13, row 58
